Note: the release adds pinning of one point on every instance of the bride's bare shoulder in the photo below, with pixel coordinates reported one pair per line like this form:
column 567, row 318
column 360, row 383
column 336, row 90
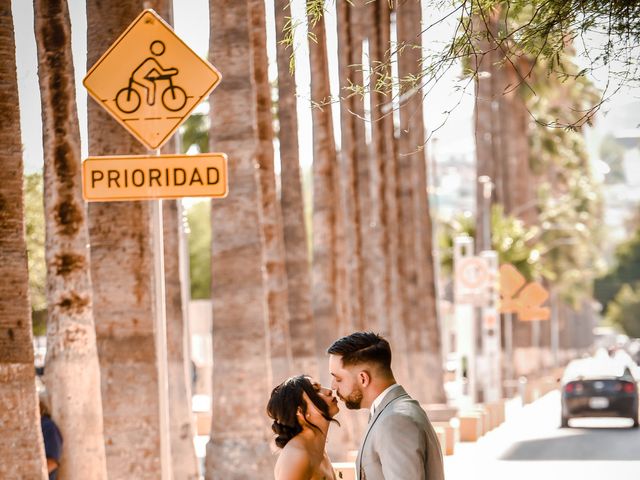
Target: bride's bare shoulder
column 293, row 463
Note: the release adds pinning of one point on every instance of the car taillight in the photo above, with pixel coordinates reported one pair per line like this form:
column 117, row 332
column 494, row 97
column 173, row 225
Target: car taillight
column 569, row 387
column 628, row 387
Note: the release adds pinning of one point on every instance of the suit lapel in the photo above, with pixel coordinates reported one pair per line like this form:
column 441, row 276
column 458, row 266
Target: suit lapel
column 394, row 394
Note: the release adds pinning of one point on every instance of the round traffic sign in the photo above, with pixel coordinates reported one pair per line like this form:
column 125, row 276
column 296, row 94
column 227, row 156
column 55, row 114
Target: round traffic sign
column 473, row 272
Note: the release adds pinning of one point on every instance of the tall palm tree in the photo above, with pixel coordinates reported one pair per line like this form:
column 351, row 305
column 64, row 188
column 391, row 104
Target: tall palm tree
column 72, row 356
column 326, row 194
column 375, row 253
column 386, row 149
column 270, row 213
column 359, row 33
column 350, row 202
column 21, row 444
column 518, row 175
column 239, row 444
column 424, row 341
column 303, row 347
column 122, row 272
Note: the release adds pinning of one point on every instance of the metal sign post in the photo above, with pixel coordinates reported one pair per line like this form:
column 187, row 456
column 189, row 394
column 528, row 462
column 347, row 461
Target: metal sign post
column 491, row 332
column 465, row 325
column 160, row 331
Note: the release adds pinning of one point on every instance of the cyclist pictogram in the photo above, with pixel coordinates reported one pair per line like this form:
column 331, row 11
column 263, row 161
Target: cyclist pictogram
column 150, row 81
column 145, row 76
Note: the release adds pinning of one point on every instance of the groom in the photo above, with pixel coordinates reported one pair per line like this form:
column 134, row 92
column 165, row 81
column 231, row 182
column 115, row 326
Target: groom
column 399, row 443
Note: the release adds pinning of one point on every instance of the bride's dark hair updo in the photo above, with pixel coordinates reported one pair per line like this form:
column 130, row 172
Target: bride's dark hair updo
column 283, row 407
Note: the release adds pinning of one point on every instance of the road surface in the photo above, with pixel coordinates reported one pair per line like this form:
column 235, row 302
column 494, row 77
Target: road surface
column 530, row 445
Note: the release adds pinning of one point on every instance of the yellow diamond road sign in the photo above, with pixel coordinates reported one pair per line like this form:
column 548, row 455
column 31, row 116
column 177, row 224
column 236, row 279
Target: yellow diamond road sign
column 150, row 80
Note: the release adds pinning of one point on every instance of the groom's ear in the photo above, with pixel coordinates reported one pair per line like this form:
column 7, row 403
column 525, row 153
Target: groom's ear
column 364, row 378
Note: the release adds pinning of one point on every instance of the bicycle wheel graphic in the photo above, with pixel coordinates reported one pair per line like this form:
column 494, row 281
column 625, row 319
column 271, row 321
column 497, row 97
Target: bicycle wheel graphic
column 174, row 98
column 128, row 100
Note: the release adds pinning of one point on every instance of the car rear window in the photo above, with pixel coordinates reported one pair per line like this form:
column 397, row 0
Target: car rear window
column 594, row 368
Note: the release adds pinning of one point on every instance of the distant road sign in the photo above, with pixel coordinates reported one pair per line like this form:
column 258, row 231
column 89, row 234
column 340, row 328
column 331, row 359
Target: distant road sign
column 473, row 272
column 150, row 80
column 511, row 281
column 472, row 281
column 531, row 298
column 146, row 177
column 527, row 301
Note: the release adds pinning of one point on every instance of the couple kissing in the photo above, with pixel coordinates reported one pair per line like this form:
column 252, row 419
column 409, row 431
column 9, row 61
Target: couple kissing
column 399, row 442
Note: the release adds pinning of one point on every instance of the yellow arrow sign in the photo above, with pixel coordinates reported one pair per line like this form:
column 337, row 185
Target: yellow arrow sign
column 150, row 80
column 147, row 177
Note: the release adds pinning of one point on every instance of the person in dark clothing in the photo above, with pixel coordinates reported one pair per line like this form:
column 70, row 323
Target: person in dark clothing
column 52, row 437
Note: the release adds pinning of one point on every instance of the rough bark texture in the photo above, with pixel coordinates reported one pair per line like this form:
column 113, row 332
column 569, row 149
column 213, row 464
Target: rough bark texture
column 386, row 147
column 72, row 368
column 21, row 447
column 122, row 273
column 378, row 274
column 325, row 202
column 275, row 270
column 240, row 437
column 183, row 455
column 519, row 174
column 349, row 200
column 422, row 329
column 359, row 33
column 501, row 119
column 301, row 330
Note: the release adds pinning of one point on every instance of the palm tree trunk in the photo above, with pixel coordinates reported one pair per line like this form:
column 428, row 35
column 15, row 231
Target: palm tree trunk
column 386, row 148
column 123, row 287
column 408, row 227
column 350, row 203
column 325, row 203
column 369, row 269
column 303, row 347
column 378, row 275
column 424, row 332
column 520, row 179
column 21, row 446
column 500, row 118
column 240, row 437
column 72, row 366
column 271, row 215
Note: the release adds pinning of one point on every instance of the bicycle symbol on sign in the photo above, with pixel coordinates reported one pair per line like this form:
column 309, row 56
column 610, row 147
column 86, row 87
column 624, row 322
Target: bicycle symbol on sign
column 146, row 75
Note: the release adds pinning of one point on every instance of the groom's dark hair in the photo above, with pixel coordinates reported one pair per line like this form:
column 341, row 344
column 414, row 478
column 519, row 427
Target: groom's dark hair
column 363, row 347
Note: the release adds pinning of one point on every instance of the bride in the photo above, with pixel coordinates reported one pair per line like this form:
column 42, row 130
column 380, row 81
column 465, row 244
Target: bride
column 302, row 411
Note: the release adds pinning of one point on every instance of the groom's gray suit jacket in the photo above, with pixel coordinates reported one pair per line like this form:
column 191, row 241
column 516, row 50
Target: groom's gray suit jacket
column 400, row 442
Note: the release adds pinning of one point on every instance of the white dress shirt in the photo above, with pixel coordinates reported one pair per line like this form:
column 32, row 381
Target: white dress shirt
column 379, row 398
